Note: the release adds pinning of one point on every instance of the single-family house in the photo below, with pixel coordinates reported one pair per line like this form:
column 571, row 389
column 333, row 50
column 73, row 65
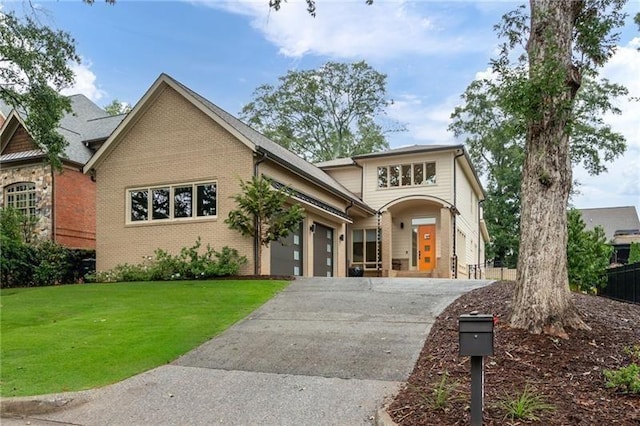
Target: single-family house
column 60, row 202
column 621, row 228
column 166, row 175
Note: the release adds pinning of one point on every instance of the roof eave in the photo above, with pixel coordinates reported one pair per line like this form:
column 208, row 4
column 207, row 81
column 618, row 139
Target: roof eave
column 423, row 149
column 302, row 173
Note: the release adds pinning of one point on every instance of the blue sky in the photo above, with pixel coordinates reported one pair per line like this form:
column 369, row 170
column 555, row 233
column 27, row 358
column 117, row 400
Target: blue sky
column 430, row 51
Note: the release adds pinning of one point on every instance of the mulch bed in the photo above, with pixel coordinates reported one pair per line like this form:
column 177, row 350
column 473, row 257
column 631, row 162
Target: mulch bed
column 568, row 374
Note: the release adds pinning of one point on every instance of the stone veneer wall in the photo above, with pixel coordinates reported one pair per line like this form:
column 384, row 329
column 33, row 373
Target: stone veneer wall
column 40, row 174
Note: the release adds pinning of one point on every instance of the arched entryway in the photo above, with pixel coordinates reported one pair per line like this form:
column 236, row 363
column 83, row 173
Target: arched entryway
column 416, row 237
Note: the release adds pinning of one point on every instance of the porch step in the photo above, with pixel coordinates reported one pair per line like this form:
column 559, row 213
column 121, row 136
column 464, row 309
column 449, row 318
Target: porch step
column 414, row 274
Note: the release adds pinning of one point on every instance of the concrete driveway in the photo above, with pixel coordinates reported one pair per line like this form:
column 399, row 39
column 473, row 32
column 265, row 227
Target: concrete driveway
column 324, row 351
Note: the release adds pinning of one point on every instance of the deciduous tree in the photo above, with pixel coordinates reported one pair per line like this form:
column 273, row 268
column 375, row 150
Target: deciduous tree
column 35, row 67
column 324, row 113
column 567, row 43
column 263, row 213
column 495, row 135
column 116, row 107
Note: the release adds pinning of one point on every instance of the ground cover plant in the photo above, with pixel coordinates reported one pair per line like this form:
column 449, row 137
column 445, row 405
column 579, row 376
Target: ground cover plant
column 74, row 337
column 588, row 379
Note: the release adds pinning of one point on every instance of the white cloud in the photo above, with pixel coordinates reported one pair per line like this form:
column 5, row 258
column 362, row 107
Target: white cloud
column 426, row 123
column 84, row 83
column 340, row 30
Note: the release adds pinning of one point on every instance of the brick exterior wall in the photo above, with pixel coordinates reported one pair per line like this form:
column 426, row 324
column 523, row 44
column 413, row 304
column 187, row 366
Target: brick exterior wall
column 75, row 209
column 171, row 141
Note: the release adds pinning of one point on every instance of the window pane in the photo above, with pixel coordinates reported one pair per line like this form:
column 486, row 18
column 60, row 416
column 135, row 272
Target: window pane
column 371, row 248
column 430, row 177
column 394, row 175
column 22, row 197
column 160, row 198
column 358, row 246
column 406, row 174
column 206, row 200
column 182, row 198
column 139, row 205
column 382, row 177
column 418, row 174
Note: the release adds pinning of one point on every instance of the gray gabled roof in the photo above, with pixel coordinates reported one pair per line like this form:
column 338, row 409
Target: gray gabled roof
column 612, row 219
column 86, row 122
column 276, row 152
column 338, row 162
column 412, row 149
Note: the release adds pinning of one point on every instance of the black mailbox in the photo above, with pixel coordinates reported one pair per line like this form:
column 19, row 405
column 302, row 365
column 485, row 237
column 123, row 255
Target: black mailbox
column 476, row 334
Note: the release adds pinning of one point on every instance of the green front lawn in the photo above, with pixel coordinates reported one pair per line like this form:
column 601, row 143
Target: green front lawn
column 74, row 337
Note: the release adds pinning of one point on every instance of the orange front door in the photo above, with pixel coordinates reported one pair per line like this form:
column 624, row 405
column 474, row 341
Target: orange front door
column 426, row 247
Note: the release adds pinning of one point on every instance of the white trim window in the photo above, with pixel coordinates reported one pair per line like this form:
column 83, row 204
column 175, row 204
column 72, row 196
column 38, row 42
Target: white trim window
column 403, row 175
column 172, row 202
column 21, row 196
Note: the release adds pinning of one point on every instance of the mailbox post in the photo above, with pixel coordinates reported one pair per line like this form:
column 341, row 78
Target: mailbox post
column 475, row 332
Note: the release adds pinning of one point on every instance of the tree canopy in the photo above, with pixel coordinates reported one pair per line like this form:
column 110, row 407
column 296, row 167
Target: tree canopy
column 495, row 135
column 116, row 107
column 35, row 68
column 325, row 113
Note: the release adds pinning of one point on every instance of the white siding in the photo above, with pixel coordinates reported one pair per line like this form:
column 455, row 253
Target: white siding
column 377, row 197
column 349, row 177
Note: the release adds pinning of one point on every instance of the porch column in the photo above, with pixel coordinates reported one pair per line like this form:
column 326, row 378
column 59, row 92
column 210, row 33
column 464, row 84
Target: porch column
column 443, row 268
column 385, row 243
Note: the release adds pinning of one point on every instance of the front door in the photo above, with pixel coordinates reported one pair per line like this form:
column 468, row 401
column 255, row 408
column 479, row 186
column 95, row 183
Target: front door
column 426, row 239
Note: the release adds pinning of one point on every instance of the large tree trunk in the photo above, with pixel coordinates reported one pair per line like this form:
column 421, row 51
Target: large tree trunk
column 542, row 301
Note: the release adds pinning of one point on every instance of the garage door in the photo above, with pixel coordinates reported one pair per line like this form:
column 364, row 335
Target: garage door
column 322, row 251
column 286, row 254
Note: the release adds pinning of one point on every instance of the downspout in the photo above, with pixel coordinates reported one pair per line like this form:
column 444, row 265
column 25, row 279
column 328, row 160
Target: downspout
column 479, row 232
column 378, row 254
column 53, row 205
column 256, row 239
column 455, row 204
column 347, row 240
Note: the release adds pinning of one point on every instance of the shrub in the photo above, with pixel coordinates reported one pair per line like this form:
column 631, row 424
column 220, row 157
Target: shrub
column 52, row 264
column 588, row 255
column 189, row 264
column 41, row 264
column 228, row 262
column 634, row 252
column 626, row 379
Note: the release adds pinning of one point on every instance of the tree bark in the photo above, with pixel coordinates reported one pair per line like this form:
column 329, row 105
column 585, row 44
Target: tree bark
column 542, row 302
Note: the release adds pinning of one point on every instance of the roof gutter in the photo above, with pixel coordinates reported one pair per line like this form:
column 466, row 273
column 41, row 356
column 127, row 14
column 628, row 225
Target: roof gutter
column 300, row 172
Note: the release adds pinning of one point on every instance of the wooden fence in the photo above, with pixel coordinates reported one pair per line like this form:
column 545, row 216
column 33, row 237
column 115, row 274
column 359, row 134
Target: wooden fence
column 623, row 283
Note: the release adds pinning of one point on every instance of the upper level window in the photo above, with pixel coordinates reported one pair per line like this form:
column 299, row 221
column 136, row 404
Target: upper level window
column 406, row 175
column 184, row 201
column 22, row 197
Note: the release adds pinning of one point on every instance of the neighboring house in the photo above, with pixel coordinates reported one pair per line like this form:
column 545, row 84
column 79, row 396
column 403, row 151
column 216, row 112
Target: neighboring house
column 61, row 203
column 166, row 176
column 621, row 228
